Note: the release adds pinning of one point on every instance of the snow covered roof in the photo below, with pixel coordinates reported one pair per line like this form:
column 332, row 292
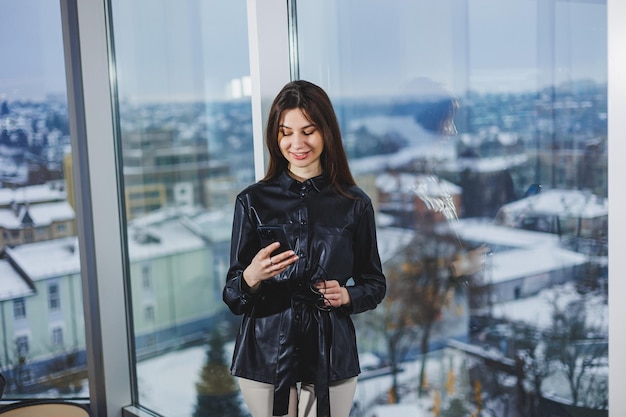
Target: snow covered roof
column 566, row 203
column 41, row 214
column 408, row 183
column 33, row 194
column 216, row 225
column 162, row 239
column 489, row 164
column 12, row 285
column 47, row 259
column 485, row 231
column 520, row 263
column 160, row 234
column 177, row 229
column 525, row 253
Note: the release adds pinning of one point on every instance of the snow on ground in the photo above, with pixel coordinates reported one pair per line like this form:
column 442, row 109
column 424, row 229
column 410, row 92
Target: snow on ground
column 167, row 383
column 538, row 310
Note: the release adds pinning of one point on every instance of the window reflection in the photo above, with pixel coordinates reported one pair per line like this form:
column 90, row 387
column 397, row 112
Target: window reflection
column 186, row 149
column 479, row 128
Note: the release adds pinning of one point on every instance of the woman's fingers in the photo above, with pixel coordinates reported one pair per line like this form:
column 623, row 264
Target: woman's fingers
column 332, row 292
column 283, row 259
column 273, row 265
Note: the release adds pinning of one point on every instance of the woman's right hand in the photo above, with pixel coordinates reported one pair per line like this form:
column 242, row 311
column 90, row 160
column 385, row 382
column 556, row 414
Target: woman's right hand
column 264, row 266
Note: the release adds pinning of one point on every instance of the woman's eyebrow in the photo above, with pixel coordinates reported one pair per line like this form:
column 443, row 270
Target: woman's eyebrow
column 302, row 128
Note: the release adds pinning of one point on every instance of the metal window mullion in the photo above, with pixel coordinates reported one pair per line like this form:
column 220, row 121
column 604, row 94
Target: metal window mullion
column 268, row 39
column 616, row 14
column 97, row 204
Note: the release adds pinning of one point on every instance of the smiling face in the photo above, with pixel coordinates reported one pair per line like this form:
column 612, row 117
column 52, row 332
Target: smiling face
column 301, row 143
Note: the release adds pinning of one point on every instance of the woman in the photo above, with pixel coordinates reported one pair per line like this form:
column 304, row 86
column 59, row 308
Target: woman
column 296, row 304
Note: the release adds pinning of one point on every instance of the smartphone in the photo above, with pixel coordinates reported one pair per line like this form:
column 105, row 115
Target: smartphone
column 274, row 233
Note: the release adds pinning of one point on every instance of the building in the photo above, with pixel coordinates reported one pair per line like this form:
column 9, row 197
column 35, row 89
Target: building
column 170, row 310
column 26, row 223
column 567, row 213
column 517, row 263
column 44, row 327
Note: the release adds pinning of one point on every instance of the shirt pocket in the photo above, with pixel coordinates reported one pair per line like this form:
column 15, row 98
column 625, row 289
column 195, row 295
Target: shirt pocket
column 333, row 249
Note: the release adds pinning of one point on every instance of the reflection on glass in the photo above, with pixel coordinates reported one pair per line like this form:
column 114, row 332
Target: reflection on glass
column 42, row 334
column 479, row 128
column 186, row 149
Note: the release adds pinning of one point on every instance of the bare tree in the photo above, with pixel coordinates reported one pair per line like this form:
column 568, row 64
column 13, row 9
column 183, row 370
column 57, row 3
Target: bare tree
column 578, row 348
column 531, row 367
column 422, row 282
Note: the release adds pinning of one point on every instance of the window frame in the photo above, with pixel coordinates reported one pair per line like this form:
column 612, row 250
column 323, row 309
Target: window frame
column 22, row 344
column 19, row 309
column 54, row 296
column 56, row 337
column 98, row 207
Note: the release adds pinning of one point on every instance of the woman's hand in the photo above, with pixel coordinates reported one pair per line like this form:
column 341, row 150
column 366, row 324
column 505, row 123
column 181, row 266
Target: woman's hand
column 264, row 266
column 334, row 294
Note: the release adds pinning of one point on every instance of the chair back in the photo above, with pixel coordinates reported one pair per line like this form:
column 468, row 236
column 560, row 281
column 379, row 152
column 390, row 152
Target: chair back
column 44, row 408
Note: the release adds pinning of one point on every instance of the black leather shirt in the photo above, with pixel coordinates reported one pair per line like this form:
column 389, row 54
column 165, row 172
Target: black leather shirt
column 285, row 336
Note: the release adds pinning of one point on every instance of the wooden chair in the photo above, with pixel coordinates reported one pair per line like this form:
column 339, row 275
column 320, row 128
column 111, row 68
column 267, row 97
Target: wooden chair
column 44, row 408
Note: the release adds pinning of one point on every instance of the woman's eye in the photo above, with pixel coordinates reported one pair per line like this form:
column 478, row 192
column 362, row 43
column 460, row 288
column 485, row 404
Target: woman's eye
column 308, row 133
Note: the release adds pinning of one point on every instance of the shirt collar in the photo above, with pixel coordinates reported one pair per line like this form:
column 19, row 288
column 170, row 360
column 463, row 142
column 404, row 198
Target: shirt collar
column 291, row 184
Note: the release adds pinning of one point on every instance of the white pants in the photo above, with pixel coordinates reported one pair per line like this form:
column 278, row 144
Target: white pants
column 259, row 398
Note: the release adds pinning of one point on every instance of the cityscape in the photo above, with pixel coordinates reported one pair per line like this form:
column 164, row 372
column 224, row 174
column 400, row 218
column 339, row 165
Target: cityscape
column 492, row 224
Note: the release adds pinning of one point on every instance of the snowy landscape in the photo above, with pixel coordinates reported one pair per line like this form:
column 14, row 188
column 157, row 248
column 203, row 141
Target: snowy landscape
column 167, row 383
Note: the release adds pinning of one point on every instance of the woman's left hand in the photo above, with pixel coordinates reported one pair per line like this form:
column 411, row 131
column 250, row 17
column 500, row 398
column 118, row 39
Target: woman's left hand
column 334, row 294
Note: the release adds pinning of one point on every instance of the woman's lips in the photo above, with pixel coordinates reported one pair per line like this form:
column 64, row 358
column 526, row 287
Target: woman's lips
column 300, row 155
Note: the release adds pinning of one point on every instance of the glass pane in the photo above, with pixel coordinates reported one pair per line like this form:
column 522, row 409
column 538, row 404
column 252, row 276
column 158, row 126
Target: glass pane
column 42, row 333
column 186, row 148
column 479, row 128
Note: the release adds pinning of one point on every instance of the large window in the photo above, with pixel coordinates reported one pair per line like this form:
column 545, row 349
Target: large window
column 479, row 127
column 185, row 127
column 40, row 276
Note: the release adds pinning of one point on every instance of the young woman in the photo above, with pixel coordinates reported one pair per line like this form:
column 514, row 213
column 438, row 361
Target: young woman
column 296, row 297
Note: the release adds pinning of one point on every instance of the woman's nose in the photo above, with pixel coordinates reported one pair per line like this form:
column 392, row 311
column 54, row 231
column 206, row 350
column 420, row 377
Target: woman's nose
column 298, row 139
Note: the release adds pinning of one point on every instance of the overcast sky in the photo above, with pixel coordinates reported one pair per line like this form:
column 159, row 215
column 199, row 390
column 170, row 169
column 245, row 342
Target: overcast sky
column 31, row 49
column 355, row 47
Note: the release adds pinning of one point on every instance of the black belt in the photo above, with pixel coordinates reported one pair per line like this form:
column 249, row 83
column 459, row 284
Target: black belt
column 322, row 376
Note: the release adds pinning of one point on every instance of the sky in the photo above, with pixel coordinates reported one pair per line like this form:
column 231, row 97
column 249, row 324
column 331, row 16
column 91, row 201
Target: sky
column 31, row 49
column 173, row 52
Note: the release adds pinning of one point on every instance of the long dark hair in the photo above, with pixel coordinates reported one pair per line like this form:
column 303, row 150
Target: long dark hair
column 318, row 109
